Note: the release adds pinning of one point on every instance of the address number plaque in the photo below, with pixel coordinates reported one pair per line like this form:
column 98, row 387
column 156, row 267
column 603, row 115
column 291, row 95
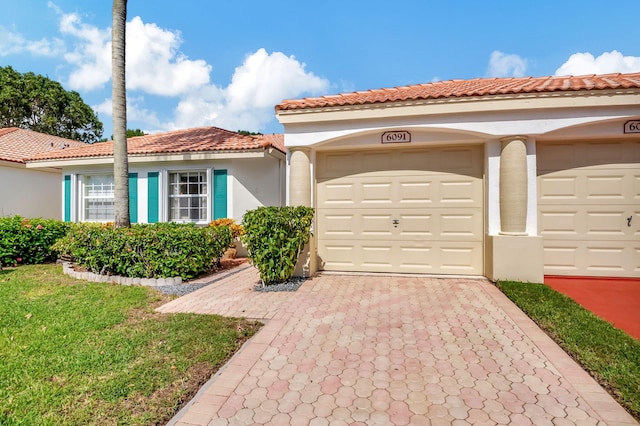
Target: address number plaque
column 396, row 137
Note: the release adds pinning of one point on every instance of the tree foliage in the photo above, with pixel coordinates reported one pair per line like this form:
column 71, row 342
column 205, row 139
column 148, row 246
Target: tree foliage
column 248, row 133
column 131, row 133
column 32, row 101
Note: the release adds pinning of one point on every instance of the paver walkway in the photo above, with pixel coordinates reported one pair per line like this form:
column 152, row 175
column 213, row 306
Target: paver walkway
column 390, row 350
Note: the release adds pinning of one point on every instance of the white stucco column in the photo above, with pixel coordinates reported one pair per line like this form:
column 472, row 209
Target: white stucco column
column 300, row 195
column 513, row 186
column 515, row 252
column 300, row 177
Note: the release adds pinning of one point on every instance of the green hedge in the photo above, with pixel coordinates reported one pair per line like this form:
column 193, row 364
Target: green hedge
column 158, row 250
column 28, row 241
column 274, row 238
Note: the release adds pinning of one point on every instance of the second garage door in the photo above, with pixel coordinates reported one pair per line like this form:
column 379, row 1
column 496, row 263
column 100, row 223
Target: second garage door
column 407, row 210
column 589, row 207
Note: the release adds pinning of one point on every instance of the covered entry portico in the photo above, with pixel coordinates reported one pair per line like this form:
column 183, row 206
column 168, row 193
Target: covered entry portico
column 432, row 179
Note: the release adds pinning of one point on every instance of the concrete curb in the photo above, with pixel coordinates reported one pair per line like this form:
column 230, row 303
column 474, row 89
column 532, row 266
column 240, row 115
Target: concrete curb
column 67, row 268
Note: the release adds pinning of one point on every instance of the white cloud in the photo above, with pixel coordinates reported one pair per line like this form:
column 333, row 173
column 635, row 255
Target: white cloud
column 12, row 43
column 156, row 66
column 91, row 56
column 506, row 65
column 262, row 81
column 135, row 112
column 265, row 79
column 608, row 62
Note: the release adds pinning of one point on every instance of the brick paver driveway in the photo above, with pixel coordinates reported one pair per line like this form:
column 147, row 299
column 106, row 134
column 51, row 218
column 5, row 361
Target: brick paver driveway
column 389, row 350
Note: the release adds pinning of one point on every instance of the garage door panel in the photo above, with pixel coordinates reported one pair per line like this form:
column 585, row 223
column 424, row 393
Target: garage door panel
column 415, row 225
column 587, row 191
column 375, row 225
column 589, row 187
column 410, row 191
column 376, row 192
column 338, row 224
column 607, row 188
column 418, row 257
column 439, row 224
column 558, row 189
column 589, row 222
column 605, row 223
column 460, row 225
column 338, row 194
column 579, row 257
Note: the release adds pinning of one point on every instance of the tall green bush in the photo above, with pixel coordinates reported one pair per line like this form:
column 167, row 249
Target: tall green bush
column 274, row 238
column 158, row 250
column 28, row 241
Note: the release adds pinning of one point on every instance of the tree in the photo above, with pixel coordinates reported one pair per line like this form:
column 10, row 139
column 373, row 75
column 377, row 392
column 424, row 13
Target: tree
column 119, row 102
column 35, row 102
column 130, row 134
column 248, row 133
column 135, row 132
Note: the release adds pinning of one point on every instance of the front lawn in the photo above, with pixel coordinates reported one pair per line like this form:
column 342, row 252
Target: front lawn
column 74, row 352
column 611, row 356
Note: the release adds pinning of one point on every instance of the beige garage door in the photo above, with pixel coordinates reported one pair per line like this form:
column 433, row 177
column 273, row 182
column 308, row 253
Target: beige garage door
column 401, row 210
column 589, row 208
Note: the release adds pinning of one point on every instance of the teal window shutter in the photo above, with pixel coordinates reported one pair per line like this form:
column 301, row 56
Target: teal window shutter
column 133, row 197
column 67, row 198
column 219, row 194
column 153, row 200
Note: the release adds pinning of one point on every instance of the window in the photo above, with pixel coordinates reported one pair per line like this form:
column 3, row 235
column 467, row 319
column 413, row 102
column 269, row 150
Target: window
column 188, row 196
column 98, row 198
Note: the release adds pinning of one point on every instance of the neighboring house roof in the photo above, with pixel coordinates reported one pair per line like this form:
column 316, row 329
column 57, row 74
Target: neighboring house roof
column 479, row 87
column 203, row 139
column 18, row 144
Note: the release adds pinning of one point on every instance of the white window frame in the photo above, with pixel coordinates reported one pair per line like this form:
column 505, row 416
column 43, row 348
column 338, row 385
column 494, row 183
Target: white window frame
column 84, row 198
column 206, row 197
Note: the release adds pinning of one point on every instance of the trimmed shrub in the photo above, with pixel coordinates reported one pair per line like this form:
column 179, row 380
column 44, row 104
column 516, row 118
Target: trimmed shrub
column 236, row 229
column 158, row 250
column 274, row 238
column 28, row 241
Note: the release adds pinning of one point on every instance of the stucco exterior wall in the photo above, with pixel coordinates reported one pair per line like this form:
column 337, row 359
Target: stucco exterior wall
column 29, row 193
column 251, row 183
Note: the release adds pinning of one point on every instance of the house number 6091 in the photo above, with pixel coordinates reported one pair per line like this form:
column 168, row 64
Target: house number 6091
column 396, row 137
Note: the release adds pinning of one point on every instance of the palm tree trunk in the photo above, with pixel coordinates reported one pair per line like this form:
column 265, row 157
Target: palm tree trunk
column 119, row 105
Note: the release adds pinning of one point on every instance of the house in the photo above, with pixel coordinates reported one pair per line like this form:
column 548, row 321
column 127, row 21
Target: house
column 510, row 178
column 193, row 175
column 26, row 192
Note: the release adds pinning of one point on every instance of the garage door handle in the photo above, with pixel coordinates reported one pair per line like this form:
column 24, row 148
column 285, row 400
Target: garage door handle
column 629, row 220
column 396, row 222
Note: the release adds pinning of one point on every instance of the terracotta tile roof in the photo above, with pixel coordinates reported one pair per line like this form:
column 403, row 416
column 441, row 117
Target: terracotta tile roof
column 203, row 139
column 18, row 144
column 276, row 140
column 468, row 88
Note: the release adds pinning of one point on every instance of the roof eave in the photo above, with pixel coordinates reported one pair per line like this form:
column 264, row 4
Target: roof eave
column 466, row 104
column 147, row 158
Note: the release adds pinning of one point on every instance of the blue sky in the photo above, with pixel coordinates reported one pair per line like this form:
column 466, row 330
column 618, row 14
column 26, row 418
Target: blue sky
column 228, row 62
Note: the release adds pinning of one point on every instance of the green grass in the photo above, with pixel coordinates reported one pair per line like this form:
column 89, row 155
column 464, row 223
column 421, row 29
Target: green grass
column 74, row 352
column 611, row 356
